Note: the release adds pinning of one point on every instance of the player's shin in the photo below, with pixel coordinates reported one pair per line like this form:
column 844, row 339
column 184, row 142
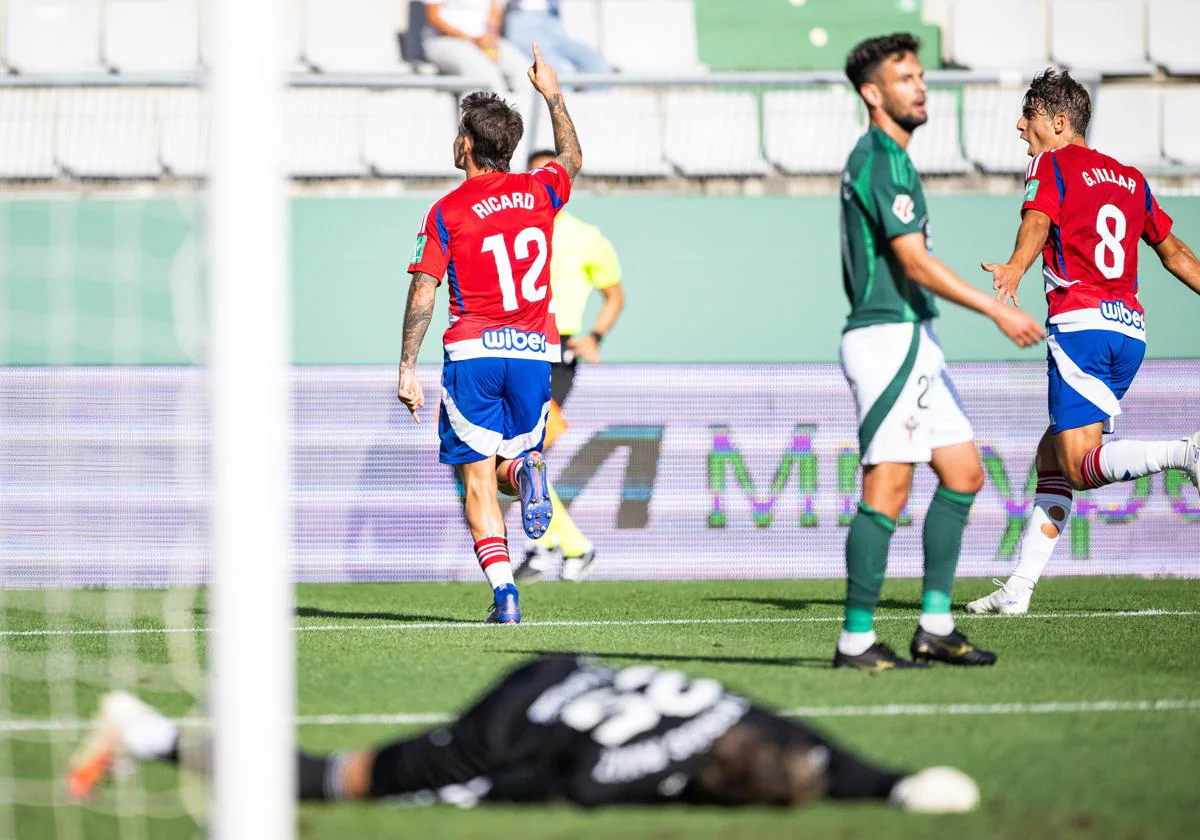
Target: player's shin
column 866, row 562
column 942, row 542
column 1050, row 514
column 1125, row 460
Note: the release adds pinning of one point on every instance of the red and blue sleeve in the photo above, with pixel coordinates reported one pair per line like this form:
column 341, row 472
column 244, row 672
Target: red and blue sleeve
column 1044, row 186
column 431, row 254
column 557, row 182
column 1158, row 223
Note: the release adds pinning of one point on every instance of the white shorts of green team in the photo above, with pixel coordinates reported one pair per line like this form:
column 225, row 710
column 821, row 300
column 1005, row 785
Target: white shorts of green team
column 907, row 406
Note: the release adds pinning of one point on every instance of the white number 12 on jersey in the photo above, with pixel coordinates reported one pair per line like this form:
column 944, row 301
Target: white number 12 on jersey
column 494, row 245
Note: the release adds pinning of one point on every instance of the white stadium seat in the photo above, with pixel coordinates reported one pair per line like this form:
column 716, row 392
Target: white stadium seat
column 346, row 36
column 1128, row 125
column 713, row 133
column 1105, row 35
column 650, row 35
column 322, row 132
column 53, row 36
column 107, row 133
column 183, row 123
column 27, row 142
column 935, row 148
column 581, row 19
column 811, row 131
column 990, row 137
column 985, row 38
column 1181, row 125
column 1173, row 26
column 411, row 133
column 151, row 35
column 621, row 132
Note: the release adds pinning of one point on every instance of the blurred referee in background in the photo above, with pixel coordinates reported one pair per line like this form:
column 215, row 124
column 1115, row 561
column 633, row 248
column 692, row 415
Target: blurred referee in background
column 581, row 259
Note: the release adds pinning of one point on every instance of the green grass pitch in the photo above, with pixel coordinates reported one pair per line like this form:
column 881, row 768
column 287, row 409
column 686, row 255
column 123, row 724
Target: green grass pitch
column 1069, row 767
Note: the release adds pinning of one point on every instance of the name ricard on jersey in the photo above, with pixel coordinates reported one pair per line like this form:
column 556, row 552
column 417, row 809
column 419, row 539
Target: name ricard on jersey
column 496, row 203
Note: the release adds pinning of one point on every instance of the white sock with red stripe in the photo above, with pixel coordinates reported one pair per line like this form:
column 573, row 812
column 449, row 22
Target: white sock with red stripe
column 1051, row 510
column 1125, row 460
column 492, row 552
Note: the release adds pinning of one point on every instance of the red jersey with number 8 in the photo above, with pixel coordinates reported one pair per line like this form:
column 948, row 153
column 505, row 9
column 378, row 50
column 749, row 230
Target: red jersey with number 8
column 489, row 238
column 1099, row 209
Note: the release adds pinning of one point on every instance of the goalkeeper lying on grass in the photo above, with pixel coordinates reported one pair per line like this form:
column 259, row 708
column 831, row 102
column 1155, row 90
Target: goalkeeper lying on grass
column 563, row 728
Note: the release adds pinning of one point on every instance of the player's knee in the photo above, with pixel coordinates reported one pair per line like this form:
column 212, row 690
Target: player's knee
column 1074, row 476
column 970, row 482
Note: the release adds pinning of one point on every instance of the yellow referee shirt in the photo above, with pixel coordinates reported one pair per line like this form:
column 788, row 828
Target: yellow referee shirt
column 582, row 260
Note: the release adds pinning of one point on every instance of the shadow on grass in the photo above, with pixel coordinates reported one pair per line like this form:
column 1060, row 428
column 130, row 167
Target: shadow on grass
column 784, row 661
column 800, row 604
column 358, row 615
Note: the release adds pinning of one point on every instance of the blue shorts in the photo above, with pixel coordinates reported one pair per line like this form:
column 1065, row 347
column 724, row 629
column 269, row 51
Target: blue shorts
column 492, row 407
column 1090, row 371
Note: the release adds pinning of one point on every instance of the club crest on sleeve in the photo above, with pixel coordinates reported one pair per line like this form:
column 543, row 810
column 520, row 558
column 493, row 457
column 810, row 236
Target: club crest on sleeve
column 418, row 250
column 903, row 208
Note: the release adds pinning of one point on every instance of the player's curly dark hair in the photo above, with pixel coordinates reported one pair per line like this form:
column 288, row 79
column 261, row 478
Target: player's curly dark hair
column 495, row 129
column 745, row 768
column 1054, row 92
column 866, row 57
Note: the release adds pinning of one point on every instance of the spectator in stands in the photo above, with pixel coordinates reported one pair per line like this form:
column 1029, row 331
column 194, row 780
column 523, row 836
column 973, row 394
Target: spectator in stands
column 462, row 38
column 538, row 21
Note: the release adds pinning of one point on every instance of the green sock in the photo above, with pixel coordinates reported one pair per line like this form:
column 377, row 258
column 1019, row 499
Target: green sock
column 942, row 539
column 866, row 561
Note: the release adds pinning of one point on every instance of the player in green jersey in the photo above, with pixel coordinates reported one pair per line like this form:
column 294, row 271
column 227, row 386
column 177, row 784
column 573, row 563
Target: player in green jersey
column 908, row 411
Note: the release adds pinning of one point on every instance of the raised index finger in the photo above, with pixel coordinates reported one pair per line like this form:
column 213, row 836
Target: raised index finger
column 537, row 57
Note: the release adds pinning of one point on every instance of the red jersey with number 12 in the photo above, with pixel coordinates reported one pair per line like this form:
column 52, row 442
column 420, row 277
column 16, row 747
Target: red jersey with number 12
column 1098, row 209
column 489, row 238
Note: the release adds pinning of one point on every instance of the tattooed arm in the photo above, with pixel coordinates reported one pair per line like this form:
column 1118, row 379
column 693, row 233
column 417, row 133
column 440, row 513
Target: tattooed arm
column 422, row 293
column 566, row 141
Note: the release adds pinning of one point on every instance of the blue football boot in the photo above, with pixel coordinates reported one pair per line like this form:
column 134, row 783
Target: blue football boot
column 506, row 608
column 536, row 508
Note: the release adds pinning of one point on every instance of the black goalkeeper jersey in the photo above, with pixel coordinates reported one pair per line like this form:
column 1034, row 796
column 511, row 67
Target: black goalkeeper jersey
column 562, row 728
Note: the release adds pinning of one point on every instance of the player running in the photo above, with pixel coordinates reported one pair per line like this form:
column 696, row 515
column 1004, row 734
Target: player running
column 908, row 412
column 560, row 728
column 583, row 260
column 491, row 238
column 1084, row 212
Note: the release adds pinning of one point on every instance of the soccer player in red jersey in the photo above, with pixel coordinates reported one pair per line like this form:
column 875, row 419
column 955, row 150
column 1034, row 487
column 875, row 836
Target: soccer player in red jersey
column 1084, row 212
column 490, row 238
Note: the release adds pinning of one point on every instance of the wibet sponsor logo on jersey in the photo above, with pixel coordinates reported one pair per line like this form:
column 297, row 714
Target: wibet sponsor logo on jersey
column 511, row 338
column 1115, row 310
column 496, row 203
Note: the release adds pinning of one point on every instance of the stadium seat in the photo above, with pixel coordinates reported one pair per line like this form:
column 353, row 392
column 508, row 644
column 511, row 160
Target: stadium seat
column 581, row 19
column 27, row 142
column 1181, row 125
column 935, row 148
column 650, row 35
column 349, row 36
column 1172, row 26
column 811, row 131
column 1128, row 125
column 151, row 35
column 107, row 133
column 620, row 131
column 183, row 132
column 1104, row 35
column 322, row 132
column 411, row 133
column 53, row 36
column 983, row 38
column 990, row 136
column 293, row 18
column 712, row 133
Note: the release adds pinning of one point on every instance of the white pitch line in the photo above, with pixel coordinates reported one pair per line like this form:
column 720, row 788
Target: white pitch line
column 890, row 710
column 636, row 622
